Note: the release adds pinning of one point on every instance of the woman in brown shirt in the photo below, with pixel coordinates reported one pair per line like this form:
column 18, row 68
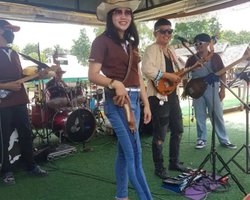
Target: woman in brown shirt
column 110, row 54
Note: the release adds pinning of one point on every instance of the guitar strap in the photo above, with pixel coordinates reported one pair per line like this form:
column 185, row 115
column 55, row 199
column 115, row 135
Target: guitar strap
column 173, row 59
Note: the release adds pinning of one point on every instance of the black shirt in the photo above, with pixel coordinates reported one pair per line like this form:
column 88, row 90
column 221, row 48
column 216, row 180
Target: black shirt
column 172, row 98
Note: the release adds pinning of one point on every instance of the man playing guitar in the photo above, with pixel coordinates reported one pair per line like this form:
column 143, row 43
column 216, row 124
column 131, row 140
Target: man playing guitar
column 201, row 43
column 13, row 110
column 159, row 62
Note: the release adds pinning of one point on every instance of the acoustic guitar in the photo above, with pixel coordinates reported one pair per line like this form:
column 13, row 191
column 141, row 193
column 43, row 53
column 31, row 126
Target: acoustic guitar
column 166, row 87
column 196, row 87
column 7, row 93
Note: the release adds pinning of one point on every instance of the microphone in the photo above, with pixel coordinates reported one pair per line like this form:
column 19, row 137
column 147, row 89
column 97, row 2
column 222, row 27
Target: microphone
column 177, row 37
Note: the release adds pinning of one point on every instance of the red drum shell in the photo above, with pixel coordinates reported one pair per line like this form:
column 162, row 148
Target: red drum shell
column 36, row 117
column 76, row 125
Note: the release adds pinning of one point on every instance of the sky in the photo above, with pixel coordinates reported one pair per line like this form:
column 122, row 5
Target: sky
column 48, row 35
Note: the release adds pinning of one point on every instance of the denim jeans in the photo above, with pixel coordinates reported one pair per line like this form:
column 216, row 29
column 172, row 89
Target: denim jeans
column 128, row 161
column 200, row 106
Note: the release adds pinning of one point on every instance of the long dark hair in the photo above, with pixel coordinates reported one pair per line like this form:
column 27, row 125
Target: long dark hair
column 131, row 34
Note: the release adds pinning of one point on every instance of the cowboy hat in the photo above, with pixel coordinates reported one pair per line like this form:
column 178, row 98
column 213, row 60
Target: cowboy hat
column 5, row 24
column 59, row 70
column 103, row 9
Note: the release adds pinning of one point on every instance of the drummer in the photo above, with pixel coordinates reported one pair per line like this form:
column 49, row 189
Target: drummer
column 56, row 81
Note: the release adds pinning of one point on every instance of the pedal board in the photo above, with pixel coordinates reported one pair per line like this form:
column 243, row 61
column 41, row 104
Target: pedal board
column 178, row 184
column 62, row 151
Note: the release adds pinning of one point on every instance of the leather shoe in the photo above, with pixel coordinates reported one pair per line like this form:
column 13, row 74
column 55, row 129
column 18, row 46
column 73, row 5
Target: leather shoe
column 162, row 173
column 179, row 167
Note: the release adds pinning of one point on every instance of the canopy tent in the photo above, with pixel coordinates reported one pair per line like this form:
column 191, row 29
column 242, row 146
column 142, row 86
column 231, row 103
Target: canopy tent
column 83, row 11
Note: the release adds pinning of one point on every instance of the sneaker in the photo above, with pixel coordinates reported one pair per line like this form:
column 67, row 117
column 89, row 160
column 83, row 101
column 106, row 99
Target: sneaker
column 179, row 167
column 229, row 145
column 162, row 173
column 37, row 171
column 200, row 144
column 8, row 179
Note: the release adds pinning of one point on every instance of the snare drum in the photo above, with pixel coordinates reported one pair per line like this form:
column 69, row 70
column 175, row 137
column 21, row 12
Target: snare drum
column 57, row 97
column 76, row 125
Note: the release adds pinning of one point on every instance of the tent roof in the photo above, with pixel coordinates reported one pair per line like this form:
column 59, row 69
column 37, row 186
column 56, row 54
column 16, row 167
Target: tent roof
column 83, row 11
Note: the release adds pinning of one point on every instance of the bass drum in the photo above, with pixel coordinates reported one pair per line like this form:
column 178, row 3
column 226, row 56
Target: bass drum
column 76, row 125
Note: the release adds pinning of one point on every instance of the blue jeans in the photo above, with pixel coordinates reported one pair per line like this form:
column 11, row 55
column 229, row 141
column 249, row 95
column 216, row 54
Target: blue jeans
column 128, row 161
column 200, row 106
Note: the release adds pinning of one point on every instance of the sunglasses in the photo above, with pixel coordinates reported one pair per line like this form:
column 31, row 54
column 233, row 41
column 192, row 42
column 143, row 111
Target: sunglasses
column 164, row 31
column 199, row 44
column 119, row 12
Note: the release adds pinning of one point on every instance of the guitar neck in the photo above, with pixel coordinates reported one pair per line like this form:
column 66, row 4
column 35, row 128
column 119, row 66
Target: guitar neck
column 28, row 78
column 188, row 70
column 222, row 71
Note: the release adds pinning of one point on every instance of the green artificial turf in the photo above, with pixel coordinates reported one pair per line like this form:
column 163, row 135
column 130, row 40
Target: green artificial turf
column 90, row 176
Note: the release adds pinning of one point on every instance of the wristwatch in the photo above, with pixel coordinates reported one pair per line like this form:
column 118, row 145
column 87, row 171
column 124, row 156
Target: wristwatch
column 110, row 85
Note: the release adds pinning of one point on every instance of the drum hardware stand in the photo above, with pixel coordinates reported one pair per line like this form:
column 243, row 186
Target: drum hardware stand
column 84, row 149
column 98, row 115
column 245, row 76
column 211, row 79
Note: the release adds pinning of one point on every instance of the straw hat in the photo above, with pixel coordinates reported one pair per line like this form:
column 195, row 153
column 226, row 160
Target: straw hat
column 6, row 24
column 103, row 9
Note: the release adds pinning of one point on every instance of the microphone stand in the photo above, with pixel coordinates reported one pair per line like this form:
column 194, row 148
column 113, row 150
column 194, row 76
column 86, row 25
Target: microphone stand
column 211, row 79
column 44, row 102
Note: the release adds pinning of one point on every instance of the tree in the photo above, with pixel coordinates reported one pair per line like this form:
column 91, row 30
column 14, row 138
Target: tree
column 99, row 30
column 243, row 37
column 81, row 48
column 146, row 36
column 48, row 52
column 30, row 48
column 190, row 29
column 15, row 47
column 61, row 50
column 34, row 55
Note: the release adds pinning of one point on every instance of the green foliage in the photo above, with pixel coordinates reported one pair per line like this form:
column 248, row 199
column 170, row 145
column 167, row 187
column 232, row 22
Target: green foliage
column 243, row 37
column 60, row 50
column 30, row 48
column 191, row 29
column 146, row 36
column 34, row 55
column 210, row 26
column 48, row 51
column 99, row 30
column 81, row 48
column 15, row 47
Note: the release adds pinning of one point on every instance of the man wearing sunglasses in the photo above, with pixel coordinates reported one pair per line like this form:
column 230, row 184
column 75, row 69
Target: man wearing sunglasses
column 160, row 62
column 201, row 43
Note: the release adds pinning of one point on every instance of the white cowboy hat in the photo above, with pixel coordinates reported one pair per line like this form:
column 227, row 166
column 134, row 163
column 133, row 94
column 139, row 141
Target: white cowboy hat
column 103, row 9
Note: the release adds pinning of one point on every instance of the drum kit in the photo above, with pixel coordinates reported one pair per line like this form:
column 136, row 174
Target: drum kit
column 65, row 111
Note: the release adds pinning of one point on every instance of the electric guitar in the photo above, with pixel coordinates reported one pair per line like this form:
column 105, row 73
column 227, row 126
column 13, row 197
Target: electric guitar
column 7, row 93
column 166, row 87
column 196, row 87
